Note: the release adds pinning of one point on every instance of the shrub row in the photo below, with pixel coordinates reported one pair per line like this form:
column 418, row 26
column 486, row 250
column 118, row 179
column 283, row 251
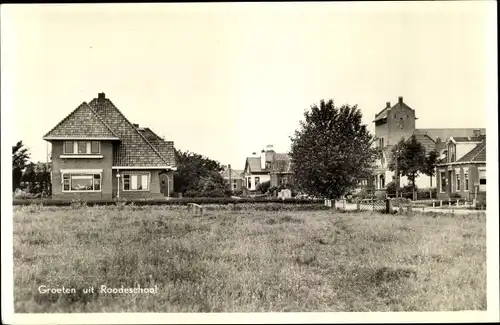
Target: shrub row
column 173, row 201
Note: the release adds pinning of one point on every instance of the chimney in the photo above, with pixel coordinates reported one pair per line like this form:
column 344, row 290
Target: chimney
column 263, row 159
column 400, row 99
column 135, row 125
column 254, row 154
column 476, row 133
column 388, row 105
column 101, row 97
column 269, row 147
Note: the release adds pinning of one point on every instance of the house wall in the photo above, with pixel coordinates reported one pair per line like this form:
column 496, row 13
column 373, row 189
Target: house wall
column 104, row 163
column 237, row 181
column 262, row 178
column 167, row 177
column 154, row 185
column 452, row 187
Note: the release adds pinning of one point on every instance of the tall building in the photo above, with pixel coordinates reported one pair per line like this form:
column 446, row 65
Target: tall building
column 397, row 122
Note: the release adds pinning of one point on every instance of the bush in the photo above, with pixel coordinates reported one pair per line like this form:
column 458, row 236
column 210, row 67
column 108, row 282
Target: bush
column 455, row 196
column 424, row 194
column 238, row 192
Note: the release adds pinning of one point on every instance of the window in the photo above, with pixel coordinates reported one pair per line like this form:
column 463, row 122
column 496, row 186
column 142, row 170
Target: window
column 381, row 142
column 81, row 182
column 257, row 181
column 443, row 182
column 249, row 181
column 136, row 182
column 82, row 147
column 68, row 147
column 382, row 181
column 268, row 165
column 482, row 179
column 95, row 147
column 457, row 175
column 466, row 179
column 451, row 153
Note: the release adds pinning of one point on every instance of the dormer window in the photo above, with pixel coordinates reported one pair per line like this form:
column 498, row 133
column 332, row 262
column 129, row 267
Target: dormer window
column 451, row 152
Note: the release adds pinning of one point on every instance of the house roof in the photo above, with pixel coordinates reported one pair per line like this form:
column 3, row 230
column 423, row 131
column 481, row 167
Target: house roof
column 428, row 143
column 446, row 134
column 82, row 123
column 165, row 148
column 102, row 119
column 235, row 173
column 254, row 164
column 466, row 139
column 478, row 154
column 282, row 163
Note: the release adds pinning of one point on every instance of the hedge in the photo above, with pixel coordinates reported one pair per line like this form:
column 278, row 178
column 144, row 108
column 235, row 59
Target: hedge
column 172, row 201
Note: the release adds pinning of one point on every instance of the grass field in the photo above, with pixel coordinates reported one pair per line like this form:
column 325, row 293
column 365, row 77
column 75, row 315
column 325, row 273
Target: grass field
column 247, row 261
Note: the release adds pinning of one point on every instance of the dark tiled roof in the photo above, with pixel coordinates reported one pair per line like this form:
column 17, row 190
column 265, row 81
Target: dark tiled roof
column 83, row 123
column 426, row 141
column 254, row 164
column 165, row 148
column 282, row 163
column 133, row 150
column 478, row 154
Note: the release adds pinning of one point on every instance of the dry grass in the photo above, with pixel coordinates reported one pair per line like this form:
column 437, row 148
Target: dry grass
column 247, row 261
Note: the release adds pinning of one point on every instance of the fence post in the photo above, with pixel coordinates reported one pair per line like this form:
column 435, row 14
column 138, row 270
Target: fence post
column 440, row 203
column 449, row 202
column 458, row 200
column 388, row 206
column 433, row 204
column 373, row 203
column 358, row 208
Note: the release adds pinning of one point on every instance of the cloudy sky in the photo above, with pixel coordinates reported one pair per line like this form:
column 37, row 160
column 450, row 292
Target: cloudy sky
column 224, row 80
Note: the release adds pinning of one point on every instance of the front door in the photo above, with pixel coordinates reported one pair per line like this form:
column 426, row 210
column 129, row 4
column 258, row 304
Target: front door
column 164, row 186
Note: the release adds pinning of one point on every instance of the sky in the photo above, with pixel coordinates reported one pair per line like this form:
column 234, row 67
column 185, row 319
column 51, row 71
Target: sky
column 225, row 79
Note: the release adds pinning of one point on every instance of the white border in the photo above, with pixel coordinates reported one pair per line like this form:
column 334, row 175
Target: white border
column 182, row 318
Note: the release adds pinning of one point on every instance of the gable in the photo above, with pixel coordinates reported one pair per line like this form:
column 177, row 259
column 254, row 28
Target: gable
column 165, row 148
column 82, row 123
column 134, row 150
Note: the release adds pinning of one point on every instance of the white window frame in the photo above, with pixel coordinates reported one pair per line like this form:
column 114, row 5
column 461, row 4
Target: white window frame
column 81, row 173
column 130, row 174
column 466, row 179
column 88, row 145
column 441, row 172
column 88, row 149
column 479, row 170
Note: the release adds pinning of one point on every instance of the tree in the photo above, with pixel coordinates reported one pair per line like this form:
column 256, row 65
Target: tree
column 430, row 164
column 332, row 150
column 198, row 175
column 20, row 156
column 411, row 160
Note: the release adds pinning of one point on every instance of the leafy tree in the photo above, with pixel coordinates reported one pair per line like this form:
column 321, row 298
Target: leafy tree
column 332, row 150
column 430, row 164
column 411, row 160
column 198, row 175
column 20, row 156
column 263, row 187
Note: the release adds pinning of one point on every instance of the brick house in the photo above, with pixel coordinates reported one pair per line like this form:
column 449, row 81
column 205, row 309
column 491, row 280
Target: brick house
column 236, row 178
column 399, row 121
column 463, row 168
column 269, row 166
column 97, row 153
